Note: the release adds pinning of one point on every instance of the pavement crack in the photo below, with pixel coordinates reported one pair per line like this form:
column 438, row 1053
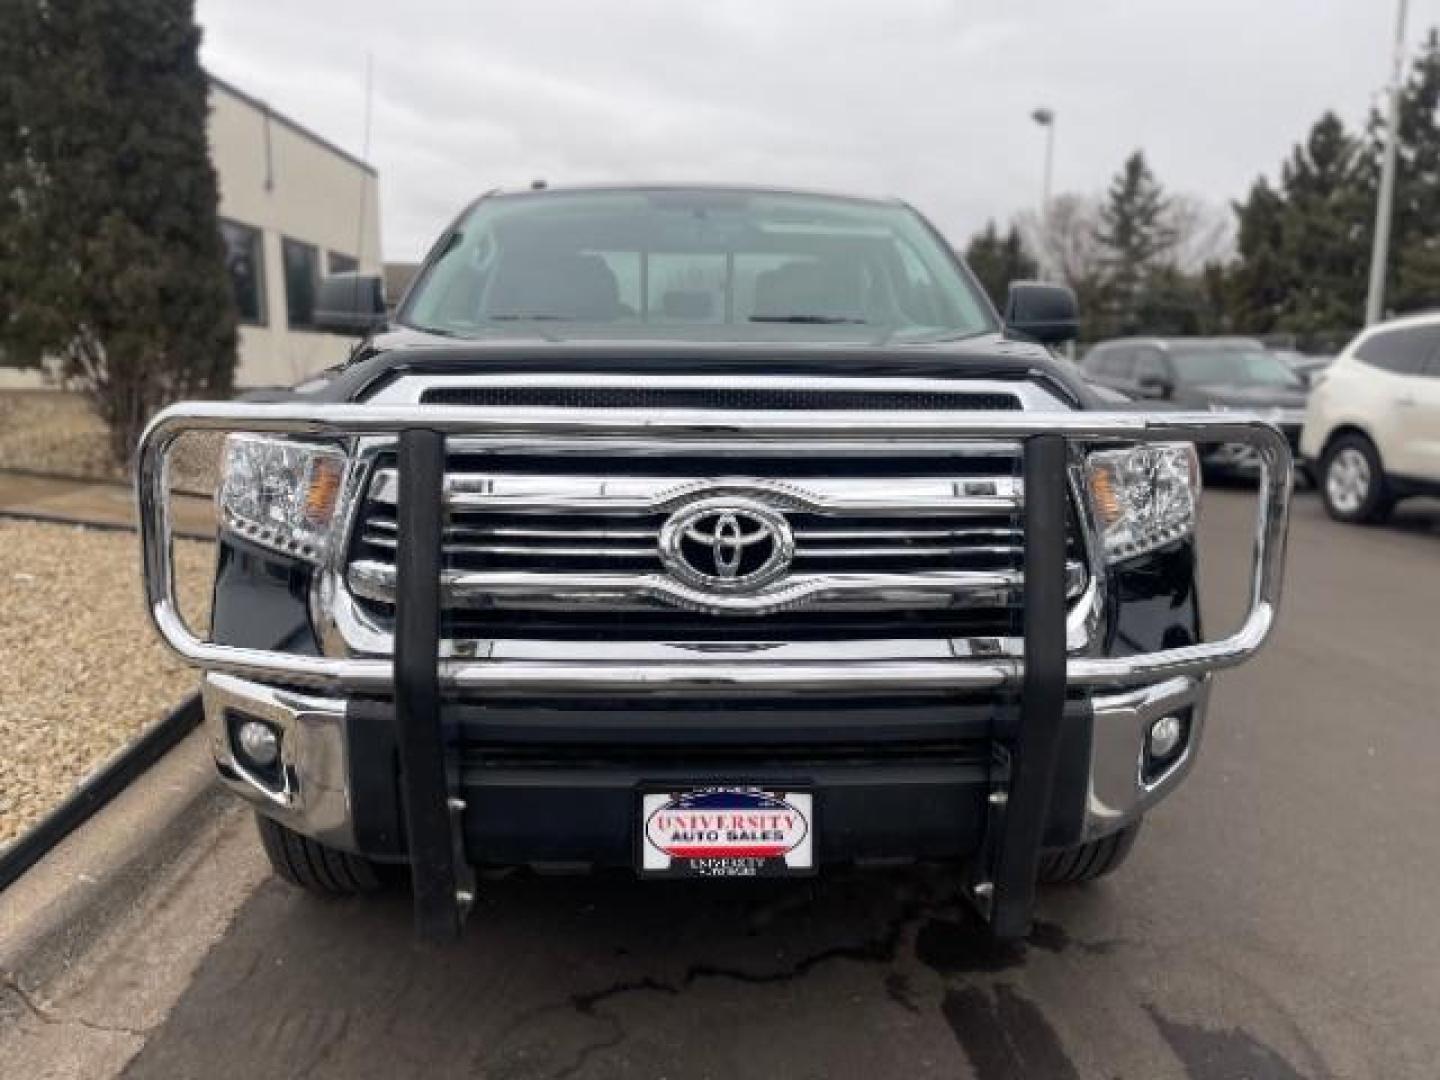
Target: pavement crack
column 613, row 1039
column 881, row 948
column 588, row 1005
column 33, row 1007
column 589, row 1002
column 46, row 1015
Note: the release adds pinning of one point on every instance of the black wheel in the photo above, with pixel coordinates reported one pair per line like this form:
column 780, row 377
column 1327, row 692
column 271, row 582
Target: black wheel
column 1086, row 862
column 1352, row 481
column 314, row 867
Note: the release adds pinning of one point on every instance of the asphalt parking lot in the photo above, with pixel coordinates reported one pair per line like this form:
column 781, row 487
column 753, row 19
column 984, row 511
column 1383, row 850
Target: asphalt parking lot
column 1277, row 919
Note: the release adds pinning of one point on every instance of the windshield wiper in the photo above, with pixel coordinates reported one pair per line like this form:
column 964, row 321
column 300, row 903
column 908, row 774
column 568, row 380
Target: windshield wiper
column 438, row 331
column 517, row 316
column 809, row 320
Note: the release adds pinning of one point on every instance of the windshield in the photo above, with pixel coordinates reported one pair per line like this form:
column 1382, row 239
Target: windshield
column 1233, row 367
column 708, row 265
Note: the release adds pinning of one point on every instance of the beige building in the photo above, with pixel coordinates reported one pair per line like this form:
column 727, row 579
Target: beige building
column 293, row 208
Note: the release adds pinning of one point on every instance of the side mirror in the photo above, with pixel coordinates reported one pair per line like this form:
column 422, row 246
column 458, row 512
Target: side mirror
column 350, row 304
column 1155, row 386
column 1040, row 312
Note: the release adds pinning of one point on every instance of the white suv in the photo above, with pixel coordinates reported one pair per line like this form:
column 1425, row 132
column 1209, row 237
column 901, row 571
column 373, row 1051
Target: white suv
column 1372, row 427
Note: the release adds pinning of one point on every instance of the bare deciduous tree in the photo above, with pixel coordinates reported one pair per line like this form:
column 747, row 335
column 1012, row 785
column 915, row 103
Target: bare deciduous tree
column 1204, row 233
column 1064, row 239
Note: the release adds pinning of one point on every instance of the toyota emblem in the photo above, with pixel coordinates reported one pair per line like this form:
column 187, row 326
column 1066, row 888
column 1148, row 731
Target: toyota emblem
column 726, row 544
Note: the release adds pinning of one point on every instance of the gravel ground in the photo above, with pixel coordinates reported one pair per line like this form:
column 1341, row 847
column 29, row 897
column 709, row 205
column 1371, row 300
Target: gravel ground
column 84, row 672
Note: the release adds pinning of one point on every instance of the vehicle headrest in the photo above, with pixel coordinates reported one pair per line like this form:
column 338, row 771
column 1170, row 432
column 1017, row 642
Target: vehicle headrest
column 562, row 283
column 687, row 304
column 810, row 287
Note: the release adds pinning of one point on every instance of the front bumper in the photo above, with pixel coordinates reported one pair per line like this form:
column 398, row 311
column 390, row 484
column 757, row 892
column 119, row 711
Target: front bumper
column 540, row 790
column 1013, row 794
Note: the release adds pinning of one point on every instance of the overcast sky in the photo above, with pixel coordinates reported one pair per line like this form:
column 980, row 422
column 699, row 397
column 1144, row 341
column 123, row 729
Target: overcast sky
column 925, row 99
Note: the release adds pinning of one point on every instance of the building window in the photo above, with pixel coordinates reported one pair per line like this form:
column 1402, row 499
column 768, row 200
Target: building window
column 245, row 259
column 335, row 263
column 302, row 275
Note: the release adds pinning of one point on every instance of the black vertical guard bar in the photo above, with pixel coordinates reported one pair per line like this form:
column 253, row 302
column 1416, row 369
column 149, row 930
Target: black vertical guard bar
column 1042, row 703
column 423, row 781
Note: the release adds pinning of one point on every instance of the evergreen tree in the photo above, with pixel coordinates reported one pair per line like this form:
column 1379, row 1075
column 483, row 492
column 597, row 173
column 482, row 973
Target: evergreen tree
column 1417, row 277
column 1212, row 285
column 19, row 345
column 1414, row 279
column 1261, row 280
column 1170, row 303
column 1304, row 244
column 108, row 204
column 1326, row 229
column 1136, row 235
column 998, row 260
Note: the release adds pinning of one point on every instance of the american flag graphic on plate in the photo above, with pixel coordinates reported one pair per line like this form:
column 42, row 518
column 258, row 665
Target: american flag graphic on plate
column 726, row 832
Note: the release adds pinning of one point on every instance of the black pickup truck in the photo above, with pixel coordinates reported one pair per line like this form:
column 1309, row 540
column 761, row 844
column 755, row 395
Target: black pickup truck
column 708, row 532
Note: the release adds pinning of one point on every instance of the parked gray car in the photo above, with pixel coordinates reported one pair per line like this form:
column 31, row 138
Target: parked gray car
column 1219, row 374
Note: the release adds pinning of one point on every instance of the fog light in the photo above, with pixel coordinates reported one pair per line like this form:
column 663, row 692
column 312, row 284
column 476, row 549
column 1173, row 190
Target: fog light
column 1165, row 736
column 259, row 743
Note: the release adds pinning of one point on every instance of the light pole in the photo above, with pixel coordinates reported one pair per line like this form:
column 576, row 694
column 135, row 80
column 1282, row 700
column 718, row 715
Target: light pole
column 1384, row 204
column 1045, row 117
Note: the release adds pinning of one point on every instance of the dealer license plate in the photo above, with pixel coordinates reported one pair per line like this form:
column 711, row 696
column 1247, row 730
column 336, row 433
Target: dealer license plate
column 726, row 832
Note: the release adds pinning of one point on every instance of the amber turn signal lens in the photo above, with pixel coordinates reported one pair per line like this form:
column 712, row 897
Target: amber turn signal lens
column 323, row 490
column 1105, row 498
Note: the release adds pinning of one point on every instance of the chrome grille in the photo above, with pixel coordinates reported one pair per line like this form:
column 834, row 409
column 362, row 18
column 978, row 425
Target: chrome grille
column 475, row 540
column 578, row 546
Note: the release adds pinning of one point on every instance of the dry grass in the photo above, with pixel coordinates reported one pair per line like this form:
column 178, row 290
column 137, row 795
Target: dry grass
column 84, row 672
column 54, row 431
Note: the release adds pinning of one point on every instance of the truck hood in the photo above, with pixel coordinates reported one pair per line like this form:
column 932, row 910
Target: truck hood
column 402, row 352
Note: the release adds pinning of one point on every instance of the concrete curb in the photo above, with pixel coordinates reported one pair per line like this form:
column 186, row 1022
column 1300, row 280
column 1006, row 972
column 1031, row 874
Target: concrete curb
column 90, row 523
column 97, row 481
column 97, row 789
column 101, row 871
column 102, row 937
column 68, row 478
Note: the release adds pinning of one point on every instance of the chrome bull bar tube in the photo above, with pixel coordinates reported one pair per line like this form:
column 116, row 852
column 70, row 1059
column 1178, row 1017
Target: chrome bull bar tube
column 579, row 430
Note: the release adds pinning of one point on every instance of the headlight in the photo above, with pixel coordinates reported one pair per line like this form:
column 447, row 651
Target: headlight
column 1143, row 496
column 281, row 494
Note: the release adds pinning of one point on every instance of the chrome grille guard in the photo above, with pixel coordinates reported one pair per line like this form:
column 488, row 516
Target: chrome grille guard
column 581, row 431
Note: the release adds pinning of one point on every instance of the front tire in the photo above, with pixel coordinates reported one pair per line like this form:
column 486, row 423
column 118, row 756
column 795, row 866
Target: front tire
column 315, row 867
column 1352, row 481
column 1086, row 862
